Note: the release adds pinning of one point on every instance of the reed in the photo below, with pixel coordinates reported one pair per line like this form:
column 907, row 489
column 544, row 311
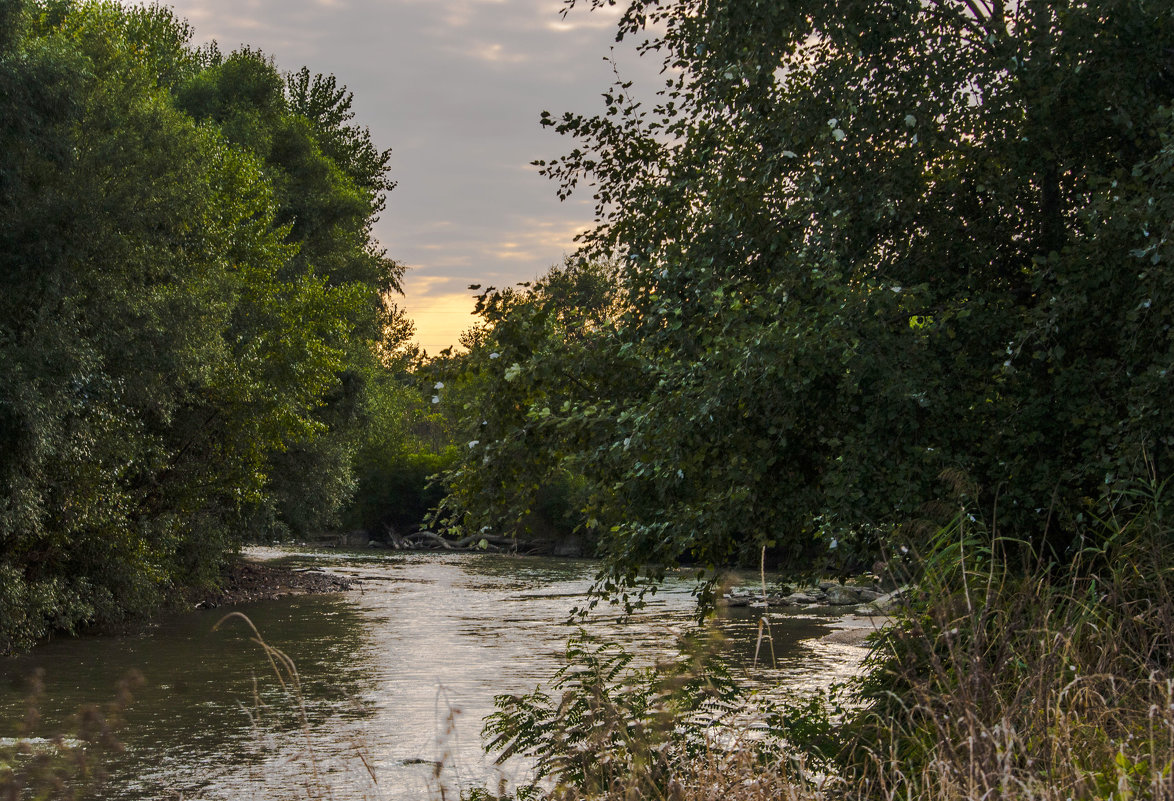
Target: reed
column 315, row 777
column 1046, row 683
column 63, row 766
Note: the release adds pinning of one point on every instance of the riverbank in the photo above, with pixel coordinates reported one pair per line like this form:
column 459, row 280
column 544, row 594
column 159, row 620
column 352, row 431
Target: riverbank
column 250, row 579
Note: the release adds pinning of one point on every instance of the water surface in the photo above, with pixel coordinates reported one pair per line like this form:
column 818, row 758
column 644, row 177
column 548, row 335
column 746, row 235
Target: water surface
column 396, row 676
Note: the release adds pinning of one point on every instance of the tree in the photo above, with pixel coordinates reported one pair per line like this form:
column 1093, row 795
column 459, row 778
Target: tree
column 166, row 338
column 119, row 214
column 328, row 181
column 867, row 243
column 537, row 377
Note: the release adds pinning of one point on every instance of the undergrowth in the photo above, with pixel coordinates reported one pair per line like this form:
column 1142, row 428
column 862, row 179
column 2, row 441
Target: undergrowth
column 1049, row 683
column 1006, row 676
column 681, row 729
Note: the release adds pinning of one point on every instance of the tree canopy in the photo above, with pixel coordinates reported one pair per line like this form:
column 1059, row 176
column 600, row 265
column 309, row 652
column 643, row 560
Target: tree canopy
column 863, row 245
column 192, row 302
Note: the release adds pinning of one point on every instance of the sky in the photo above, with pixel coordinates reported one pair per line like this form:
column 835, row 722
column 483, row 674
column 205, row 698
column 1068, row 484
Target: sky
column 455, row 89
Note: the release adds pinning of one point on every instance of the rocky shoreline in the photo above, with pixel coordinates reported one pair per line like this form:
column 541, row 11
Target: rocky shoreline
column 247, row 580
column 865, row 600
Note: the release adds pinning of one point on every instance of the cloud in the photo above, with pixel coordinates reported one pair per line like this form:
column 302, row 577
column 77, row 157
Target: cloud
column 497, row 54
column 534, row 238
column 429, row 286
column 440, row 309
column 455, row 89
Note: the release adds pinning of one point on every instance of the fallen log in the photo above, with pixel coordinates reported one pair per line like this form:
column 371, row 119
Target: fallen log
column 420, row 537
column 471, row 542
column 490, row 539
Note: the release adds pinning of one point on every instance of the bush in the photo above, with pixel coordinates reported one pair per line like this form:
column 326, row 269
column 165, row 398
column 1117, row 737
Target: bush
column 998, row 679
column 680, row 730
column 397, row 492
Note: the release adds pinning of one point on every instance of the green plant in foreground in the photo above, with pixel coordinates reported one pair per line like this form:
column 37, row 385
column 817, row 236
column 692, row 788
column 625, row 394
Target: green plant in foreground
column 679, row 730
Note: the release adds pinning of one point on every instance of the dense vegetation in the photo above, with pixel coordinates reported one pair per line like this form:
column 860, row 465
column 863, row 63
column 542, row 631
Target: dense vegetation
column 864, row 275
column 890, row 280
column 860, row 245
column 534, row 350
column 195, row 326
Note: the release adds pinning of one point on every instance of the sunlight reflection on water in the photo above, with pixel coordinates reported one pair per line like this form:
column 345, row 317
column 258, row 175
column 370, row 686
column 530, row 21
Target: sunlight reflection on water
column 397, row 674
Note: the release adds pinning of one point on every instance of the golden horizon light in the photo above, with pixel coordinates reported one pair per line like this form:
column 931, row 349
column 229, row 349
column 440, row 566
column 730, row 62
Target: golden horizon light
column 440, row 314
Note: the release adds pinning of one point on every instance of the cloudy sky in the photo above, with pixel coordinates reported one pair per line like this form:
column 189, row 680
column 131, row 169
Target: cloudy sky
column 455, row 89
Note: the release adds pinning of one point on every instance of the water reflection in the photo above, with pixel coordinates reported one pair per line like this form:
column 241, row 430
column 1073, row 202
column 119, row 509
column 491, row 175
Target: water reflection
column 396, row 675
column 187, row 724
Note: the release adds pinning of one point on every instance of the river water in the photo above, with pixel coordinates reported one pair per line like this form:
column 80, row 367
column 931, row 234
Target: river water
column 395, row 676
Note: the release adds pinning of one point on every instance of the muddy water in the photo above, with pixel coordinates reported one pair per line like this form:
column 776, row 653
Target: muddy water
column 395, row 677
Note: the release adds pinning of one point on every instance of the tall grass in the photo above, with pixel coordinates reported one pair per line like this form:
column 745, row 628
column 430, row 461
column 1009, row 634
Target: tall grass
column 1054, row 682
column 310, row 769
column 316, row 778
column 1005, row 677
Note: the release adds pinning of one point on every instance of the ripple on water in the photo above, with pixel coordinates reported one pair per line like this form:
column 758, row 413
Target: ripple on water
column 396, row 674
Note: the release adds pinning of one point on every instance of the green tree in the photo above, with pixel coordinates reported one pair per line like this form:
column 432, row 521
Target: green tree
column 118, row 217
column 405, row 438
column 328, row 182
column 164, row 341
column 866, row 243
column 538, row 395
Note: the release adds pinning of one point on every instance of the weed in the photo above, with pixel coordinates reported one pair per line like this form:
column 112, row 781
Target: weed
column 680, row 730
column 1049, row 683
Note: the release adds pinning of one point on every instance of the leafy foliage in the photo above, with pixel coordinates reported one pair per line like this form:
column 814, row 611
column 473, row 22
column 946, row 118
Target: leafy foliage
column 863, row 244
column 191, row 301
column 615, row 729
column 327, row 182
column 404, row 444
column 539, row 394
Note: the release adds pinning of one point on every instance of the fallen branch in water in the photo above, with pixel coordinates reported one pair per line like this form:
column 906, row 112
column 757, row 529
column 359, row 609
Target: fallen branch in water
column 472, row 542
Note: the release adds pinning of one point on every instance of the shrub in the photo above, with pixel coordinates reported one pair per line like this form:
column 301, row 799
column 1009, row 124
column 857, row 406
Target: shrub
column 682, row 729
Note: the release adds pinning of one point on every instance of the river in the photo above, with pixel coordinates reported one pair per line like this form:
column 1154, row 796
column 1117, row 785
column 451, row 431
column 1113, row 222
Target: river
column 396, row 676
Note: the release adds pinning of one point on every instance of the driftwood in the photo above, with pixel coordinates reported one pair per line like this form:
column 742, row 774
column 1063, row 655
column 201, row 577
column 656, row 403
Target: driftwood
column 431, row 541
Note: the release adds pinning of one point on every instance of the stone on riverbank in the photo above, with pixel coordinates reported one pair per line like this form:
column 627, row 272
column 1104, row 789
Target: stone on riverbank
column 885, row 604
column 246, row 581
column 826, row 593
